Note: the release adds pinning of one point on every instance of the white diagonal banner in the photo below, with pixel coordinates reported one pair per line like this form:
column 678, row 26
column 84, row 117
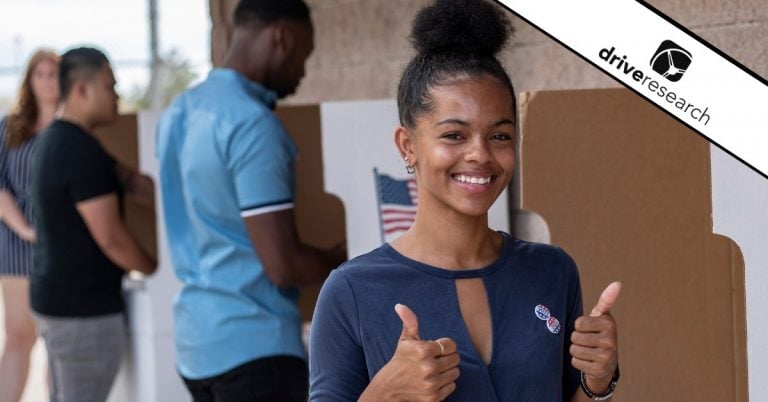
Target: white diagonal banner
column 666, row 64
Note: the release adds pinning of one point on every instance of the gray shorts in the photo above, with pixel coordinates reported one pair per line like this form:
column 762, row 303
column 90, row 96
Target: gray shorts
column 83, row 355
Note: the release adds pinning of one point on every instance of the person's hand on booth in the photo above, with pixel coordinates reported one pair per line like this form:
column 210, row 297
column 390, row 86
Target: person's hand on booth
column 139, row 187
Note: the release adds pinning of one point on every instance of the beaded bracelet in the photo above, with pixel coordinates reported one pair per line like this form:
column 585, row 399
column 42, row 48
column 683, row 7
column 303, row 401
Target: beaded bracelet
column 607, row 394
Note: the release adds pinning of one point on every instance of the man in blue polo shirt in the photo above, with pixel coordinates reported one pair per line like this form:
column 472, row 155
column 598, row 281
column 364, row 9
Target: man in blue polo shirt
column 227, row 178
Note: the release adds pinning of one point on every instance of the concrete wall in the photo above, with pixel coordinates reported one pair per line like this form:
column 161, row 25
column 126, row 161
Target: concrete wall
column 361, row 45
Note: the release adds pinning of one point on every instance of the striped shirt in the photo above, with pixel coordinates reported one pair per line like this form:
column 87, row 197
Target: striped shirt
column 15, row 253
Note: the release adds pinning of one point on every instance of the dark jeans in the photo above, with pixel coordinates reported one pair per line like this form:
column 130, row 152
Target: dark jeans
column 272, row 379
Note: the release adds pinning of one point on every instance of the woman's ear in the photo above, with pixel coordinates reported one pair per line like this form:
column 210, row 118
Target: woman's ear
column 405, row 145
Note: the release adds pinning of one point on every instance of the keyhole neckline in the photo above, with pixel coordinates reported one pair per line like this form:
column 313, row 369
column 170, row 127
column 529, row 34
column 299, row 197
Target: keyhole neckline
column 506, row 249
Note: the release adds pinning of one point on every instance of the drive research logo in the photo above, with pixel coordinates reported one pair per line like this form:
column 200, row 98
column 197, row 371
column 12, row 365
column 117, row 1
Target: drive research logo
column 673, row 67
column 671, row 60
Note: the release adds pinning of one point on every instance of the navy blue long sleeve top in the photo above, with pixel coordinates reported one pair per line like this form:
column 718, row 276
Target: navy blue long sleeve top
column 534, row 298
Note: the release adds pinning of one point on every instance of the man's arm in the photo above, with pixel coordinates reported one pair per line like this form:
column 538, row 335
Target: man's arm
column 102, row 217
column 286, row 260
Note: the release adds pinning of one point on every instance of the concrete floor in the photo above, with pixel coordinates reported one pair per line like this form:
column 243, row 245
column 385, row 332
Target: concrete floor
column 36, row 390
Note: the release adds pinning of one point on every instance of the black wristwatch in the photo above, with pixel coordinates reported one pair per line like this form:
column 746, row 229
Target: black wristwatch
column 607, row 394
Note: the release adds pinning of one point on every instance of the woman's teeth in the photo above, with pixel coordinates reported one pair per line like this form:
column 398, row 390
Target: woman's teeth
column 472, row 180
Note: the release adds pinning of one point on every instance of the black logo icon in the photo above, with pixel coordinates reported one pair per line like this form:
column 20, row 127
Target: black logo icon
column 671, row 60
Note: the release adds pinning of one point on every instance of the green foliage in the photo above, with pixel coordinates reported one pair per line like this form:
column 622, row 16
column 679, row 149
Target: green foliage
column 173, row 75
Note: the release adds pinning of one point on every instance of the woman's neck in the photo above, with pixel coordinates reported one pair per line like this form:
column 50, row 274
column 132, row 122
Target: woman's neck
column 45, row 115
column 445, row 238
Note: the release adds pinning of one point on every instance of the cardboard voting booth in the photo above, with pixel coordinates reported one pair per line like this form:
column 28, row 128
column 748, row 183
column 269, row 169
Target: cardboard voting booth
column 148, row 371
column 626, row 190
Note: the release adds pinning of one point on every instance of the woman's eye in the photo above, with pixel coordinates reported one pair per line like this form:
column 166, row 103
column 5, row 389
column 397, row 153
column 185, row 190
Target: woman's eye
column 452, row 136
column 501, row 137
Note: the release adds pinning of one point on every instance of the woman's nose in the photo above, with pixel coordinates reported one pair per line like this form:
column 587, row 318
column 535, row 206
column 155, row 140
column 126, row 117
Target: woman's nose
column 478, row 151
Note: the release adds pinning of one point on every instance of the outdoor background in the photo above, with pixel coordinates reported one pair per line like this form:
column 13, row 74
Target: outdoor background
column 119, row 28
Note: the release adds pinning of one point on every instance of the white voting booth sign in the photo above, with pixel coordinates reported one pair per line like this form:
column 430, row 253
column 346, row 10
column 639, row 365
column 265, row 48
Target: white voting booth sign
column 363, row 168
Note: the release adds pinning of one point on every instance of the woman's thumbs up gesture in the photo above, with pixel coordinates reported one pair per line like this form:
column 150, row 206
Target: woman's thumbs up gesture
column 594, row 345
column 419, row 371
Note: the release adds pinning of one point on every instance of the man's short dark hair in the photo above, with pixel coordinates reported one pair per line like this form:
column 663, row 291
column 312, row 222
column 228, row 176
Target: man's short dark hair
column 79, row 63
column 258, row 13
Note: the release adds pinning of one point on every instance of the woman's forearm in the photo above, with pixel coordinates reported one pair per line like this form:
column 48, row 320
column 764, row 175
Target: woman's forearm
column 13, row 218
column 372, row 394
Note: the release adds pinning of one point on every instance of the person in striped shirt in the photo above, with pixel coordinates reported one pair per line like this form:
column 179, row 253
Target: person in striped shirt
column 35, row 108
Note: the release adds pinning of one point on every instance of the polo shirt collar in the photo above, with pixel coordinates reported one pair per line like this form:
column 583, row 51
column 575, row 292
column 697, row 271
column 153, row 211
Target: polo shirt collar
column 258, row 91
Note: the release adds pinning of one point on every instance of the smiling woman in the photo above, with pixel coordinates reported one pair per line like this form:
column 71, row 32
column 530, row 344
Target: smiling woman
column 504, row 315
column 463, row 151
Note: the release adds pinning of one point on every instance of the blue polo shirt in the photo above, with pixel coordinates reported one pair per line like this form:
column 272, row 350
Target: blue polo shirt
column 224, row 156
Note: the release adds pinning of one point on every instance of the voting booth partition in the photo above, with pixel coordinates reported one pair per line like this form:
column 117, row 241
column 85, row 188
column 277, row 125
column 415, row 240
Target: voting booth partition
column 148, row 370
column 623, row 188
column 626, row 190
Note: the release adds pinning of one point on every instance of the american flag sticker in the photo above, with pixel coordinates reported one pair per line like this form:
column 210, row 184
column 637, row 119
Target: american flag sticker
column 542, row 312
column 553, row 325
column 397, row 200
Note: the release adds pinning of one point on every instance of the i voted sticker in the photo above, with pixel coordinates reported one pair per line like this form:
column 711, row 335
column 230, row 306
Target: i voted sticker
column 553, row 325
column 542, row 312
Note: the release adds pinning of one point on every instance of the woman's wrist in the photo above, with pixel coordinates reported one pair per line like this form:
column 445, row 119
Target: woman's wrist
column 598, row 385
column 27, row 233
column 372, row 394
column 590, row 386
column 377, row 392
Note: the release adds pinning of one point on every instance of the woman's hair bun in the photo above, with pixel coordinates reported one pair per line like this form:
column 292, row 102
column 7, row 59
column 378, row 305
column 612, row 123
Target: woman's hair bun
column 461, row 26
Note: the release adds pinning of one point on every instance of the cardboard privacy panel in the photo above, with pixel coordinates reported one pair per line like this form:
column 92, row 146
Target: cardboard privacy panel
column 147, row 372
column 319, row 215
column 626, row 190
column 122, row 142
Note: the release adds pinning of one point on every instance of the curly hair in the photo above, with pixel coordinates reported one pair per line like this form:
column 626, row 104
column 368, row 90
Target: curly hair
column 454, row 39
column 21, row 121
